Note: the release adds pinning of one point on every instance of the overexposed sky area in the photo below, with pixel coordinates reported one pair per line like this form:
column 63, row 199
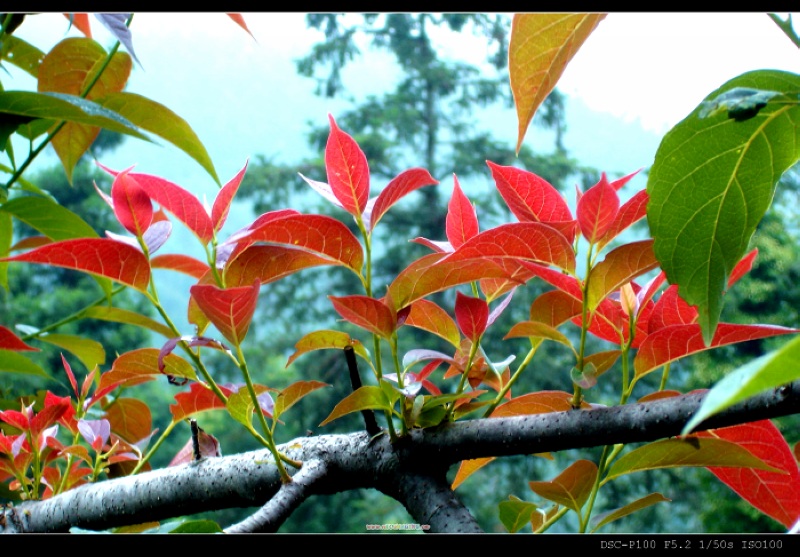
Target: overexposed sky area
column 243, row 96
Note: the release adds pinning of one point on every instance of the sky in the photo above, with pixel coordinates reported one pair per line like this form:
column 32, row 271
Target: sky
column 242, row 96
column 637, row 75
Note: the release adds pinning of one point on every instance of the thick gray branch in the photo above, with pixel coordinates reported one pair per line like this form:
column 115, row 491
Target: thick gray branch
column 352, row 461
column 274, row 513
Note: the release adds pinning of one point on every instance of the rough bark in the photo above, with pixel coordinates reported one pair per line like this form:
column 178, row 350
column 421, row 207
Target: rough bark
column 412, row 470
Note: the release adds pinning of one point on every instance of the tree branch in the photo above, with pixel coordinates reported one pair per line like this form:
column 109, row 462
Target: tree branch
column 275, row 511
column 412, row 470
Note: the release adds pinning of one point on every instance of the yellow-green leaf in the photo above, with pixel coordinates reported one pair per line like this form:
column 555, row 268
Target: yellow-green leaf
column 88, row 351
column 541, row 46
column 118, row 315
column 639, row 504
column 161, row 121
column 14, row 362
column 368, row 397
column 691, row 451
column 294, row 392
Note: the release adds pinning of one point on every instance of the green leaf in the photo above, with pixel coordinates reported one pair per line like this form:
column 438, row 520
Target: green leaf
column 693, row 451
column 197, row 527
column 161, row 121
column 712, row 181
column 48, row 217
column 639, row 504
column 289, row 396
column 6, row 235
column 70, row 108
column 767, row 372
column 23, row 55
column 368, row 397
column 88, row 351
column 118, row 315
column 516, row 513
column 13, row 362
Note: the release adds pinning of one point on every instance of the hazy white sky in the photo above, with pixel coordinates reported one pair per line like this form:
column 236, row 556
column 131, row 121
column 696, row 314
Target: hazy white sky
column 243, row 97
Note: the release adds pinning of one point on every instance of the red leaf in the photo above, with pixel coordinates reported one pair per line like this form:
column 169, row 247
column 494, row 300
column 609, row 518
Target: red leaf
column 132, row 206
column 198, row 399
column 597, row 209
column 320, row 235
column 677, row 341
column 567, row 283
column 230, row 309
column 239, row 20
column 222, row 203
column 631, row 211
column 403, row 184
column 428, row 316
column 531, row 198
column 185, row 206
column 430, row 274
column 348, row 172
column 461, row 222
column 522, row 240
column 10, row 341
column 181, row 263
column 670, row 309
column 775, row 494
column 368, row 313
column 97, row 256
column 268, row 264
column 81, row 23
column 472, row 316
column 742, row 267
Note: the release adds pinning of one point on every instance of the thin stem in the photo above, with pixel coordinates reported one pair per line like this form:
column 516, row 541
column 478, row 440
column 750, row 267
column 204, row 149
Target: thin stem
column 577, row 397
column 786, row 27
column 153, row 449
column 507, row 387
column 285, row 477
column 73, row 316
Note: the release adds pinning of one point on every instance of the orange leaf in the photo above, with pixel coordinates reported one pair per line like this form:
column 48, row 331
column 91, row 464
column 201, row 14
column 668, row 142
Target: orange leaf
column 269, row 263
column 69, row 67
column 540, row 47
column 130, row 419
column 469, row 467
column 367, row 313
column 620, row 266
column 317, row 234
column 198, row 399
column 428, row 316
column 571, row 488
